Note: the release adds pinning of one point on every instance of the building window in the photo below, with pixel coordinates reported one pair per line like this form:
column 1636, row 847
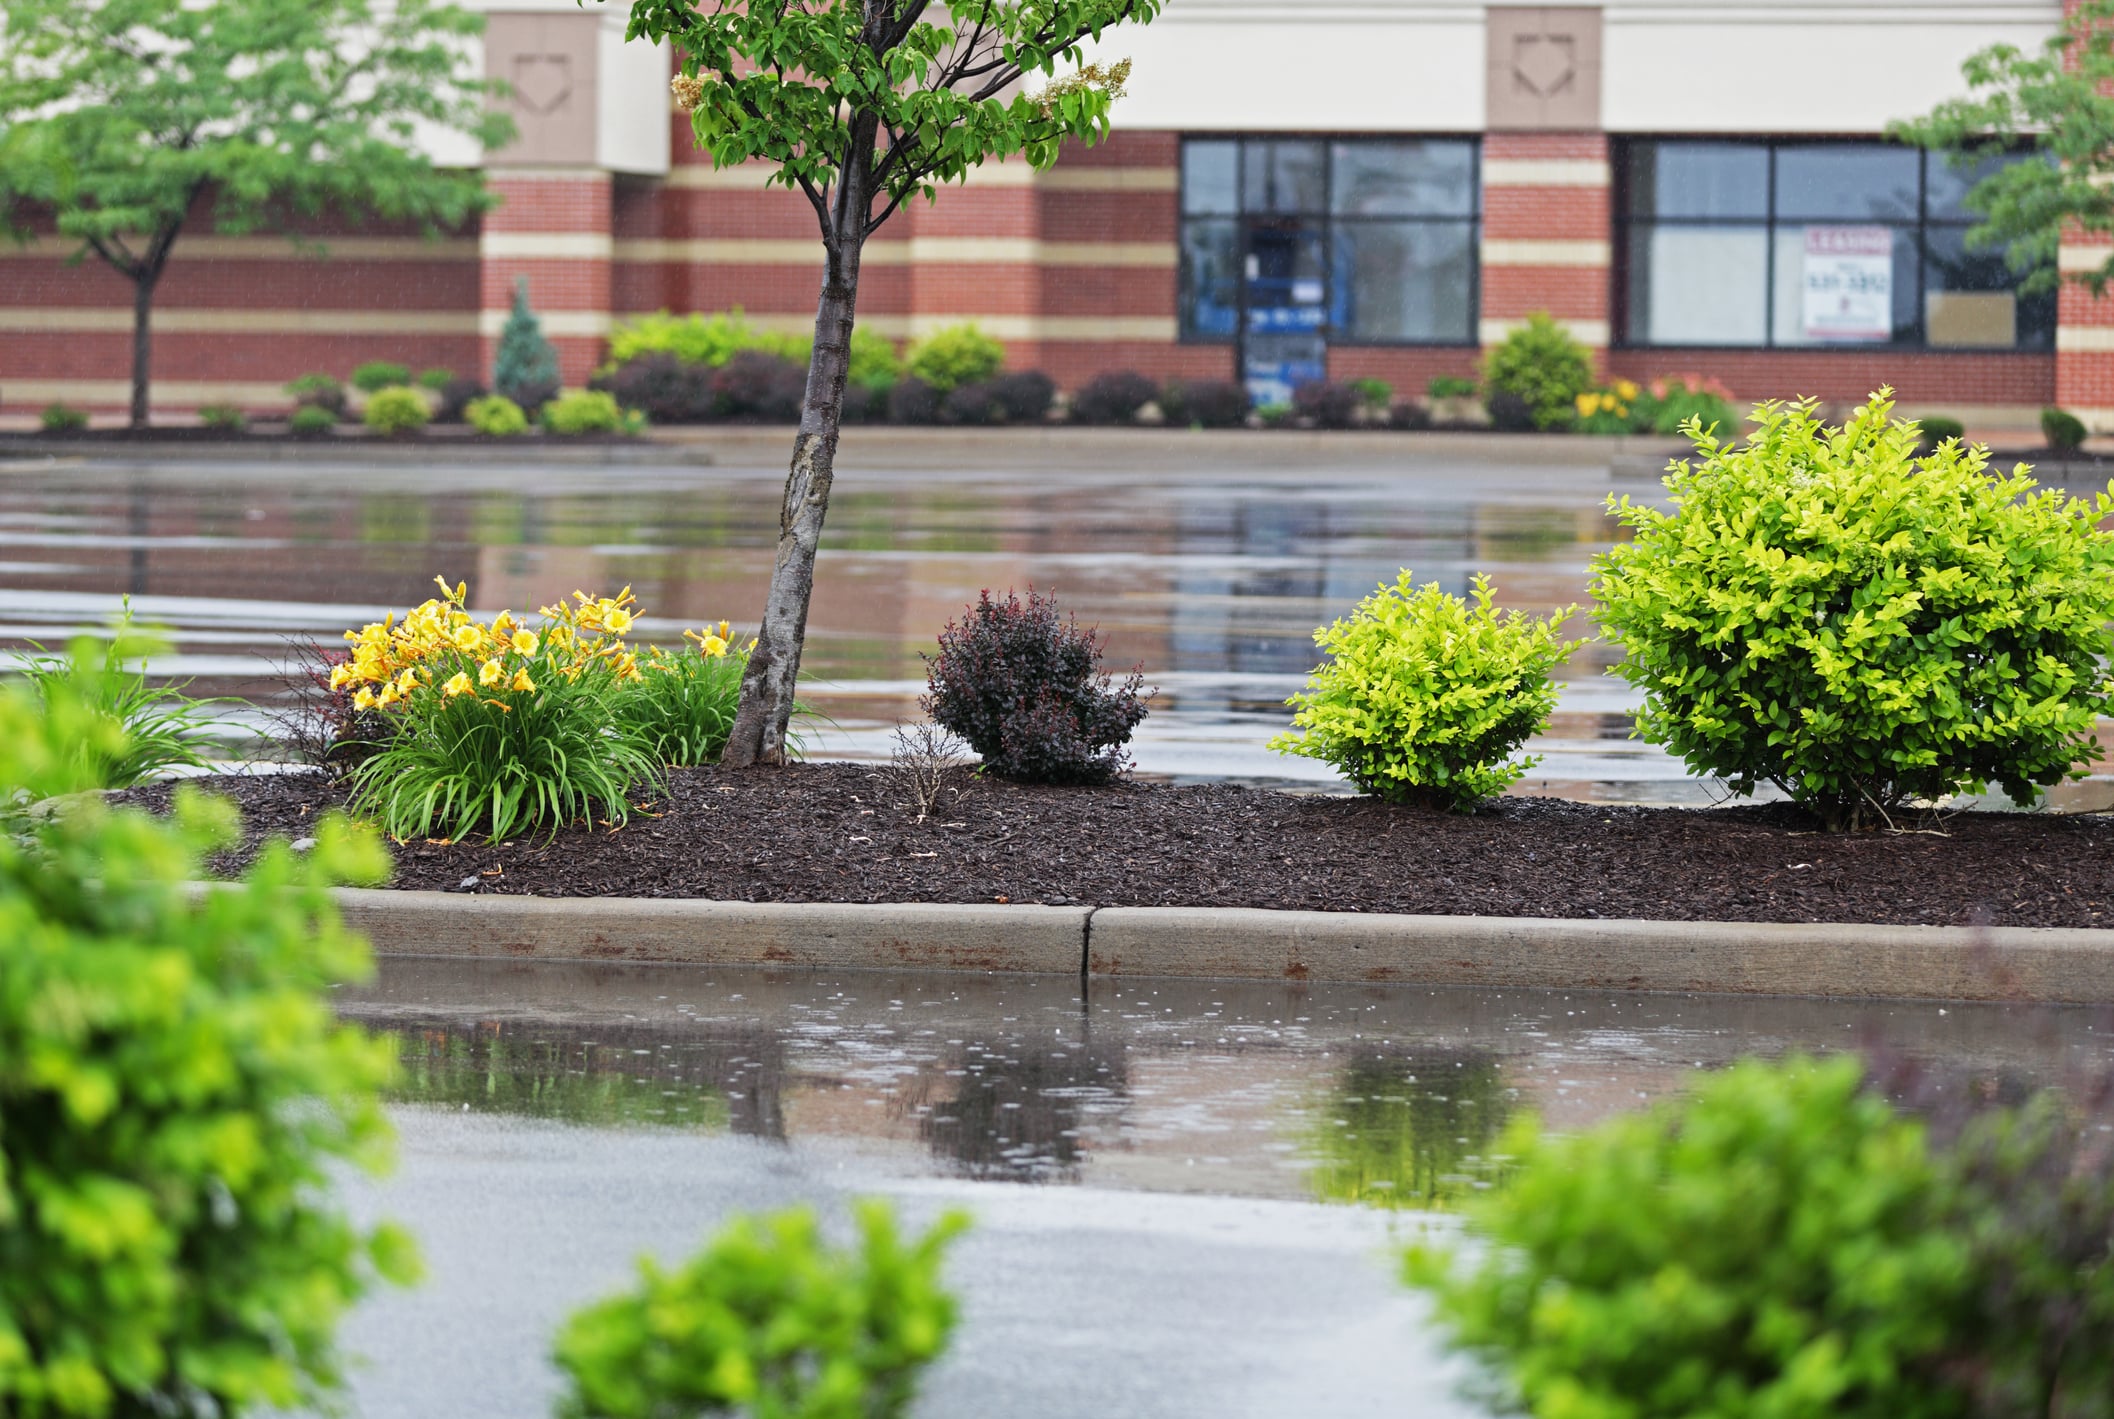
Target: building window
column 1805, row 244
column 1366, row 241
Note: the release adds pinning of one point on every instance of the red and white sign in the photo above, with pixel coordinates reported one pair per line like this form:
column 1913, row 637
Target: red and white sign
column 1849, row 283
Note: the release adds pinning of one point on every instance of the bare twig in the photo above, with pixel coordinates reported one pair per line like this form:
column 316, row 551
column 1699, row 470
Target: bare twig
column 925, row 759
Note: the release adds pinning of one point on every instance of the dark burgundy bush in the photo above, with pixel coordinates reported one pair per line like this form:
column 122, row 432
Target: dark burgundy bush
column 862, row 405
column 1025, row 395
column 1327, row 404
column 912, row 401
column 1113, row 398
column 1023, row 686
column 1409, row 414
column 668, row 390
column 972, row 403
column 759, row 386
column 1206, row 403
column 455, row 396
column 1510, row 413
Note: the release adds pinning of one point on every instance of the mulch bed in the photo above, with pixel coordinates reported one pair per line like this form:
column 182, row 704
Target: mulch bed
column 836, row 832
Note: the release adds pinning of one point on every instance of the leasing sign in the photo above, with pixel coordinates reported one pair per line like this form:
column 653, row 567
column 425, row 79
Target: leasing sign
column 1849, row 283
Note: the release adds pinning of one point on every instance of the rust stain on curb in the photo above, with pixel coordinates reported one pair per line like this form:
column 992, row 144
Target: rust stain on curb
column 2034, row 964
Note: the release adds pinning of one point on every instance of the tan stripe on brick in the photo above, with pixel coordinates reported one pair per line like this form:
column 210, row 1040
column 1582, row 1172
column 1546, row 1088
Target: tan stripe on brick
column 1546, row 253
column 1545, row 172
column 1027, row 251
column 260, row 248
column 550, row 246
column 83, row 319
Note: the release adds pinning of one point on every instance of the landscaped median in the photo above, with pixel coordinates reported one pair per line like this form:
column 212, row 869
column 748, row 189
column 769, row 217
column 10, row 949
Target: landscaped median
column 2039, row 964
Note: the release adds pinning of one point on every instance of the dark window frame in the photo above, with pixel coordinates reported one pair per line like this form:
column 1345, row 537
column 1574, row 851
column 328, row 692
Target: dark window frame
column 1324, row 222
column 1624, row 223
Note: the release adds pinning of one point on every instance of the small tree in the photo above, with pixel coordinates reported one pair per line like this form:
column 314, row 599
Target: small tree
column 525, row 369
column 861, row 105
column 118, row 116
column 2063, row 96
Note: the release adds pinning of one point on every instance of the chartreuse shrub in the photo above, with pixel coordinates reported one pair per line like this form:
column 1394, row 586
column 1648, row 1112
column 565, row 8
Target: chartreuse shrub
column 155, row 727
column 769, row 1320
column 175, row 1098
column 399, row 409
column 1823, row 610
column 956, row 354
column 496, row 725
column 495, row 416
column 1023, row 687
column 1783, row 1241
column 1539, row 371
column 1425, row 696
column 713, row 340
column 590, row 411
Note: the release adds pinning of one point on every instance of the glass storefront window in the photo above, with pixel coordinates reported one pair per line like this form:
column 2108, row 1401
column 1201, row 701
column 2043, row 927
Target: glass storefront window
column 1352, row 240
column 1805, row 244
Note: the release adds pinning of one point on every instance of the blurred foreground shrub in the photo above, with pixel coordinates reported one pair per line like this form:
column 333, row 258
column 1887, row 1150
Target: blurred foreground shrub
column 156, row 727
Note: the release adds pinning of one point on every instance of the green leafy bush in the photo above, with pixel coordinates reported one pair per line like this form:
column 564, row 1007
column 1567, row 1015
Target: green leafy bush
column 399, row 409
column 1784, row 1241
column 309, row 420
column 590, row 411
column 1542, row 367
column 957, row 354
column 377, row 375
column 525, row 368
column 228, row 418
column 1669, row 403
column 683, row 703
column 1425, row 697
column 1377, row 395
column 62, row 419
column 320, row 391
column 495, row 416
column 496, row 725
column 1824, row 611
column 2063, row 429
column 1450, row 386
column 154, row 728
column 177, row 1100
column 713, row 340
column 436, row 379
column 768, row 1320
column 1936, row 430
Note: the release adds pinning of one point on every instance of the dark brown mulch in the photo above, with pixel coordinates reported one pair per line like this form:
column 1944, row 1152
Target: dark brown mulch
column 843, row 833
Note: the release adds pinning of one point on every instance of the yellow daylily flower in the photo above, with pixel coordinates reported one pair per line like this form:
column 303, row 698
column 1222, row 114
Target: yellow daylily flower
column 521, row 682
column 523, row 642
column 503, row 625
column 490, row 673
column 468, row 638
column 407, row 682
column 459, row 685
column 340, row 674
column 364, row 700
column 389, row 696
column 713, row 646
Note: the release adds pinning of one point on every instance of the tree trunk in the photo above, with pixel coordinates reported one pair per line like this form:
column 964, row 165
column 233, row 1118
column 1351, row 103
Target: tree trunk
column 142, row 342
column 768, row 684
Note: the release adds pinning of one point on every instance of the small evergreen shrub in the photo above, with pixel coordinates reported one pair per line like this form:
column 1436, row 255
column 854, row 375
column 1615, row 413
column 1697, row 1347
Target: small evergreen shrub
column 396, row 410
column 525, row 369
column 436, row 379
column 973, row 403
column 769, row 1320
column 178, row 1101
column 2063, row 429
column 1024, row 688
column 958, row 354
column 1450, row 386
column 586, row 411
column 1543, row 367
column 912, row 401
column 667, row 389
column 1936, row 430
column 1327, row 405
column 1206, row 404
column 1024, row 395
column 1113, row 398
column 1425, row 697
column 59, row 418
column 455, row 399
column 496, row 416
column 320, row 391
column 310, row 421
column 227, row 418
column 1824, row 611
column 377, row 375
column 765, row 388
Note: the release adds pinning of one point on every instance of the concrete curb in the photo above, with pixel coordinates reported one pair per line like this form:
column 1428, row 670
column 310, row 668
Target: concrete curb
column 2032, row 964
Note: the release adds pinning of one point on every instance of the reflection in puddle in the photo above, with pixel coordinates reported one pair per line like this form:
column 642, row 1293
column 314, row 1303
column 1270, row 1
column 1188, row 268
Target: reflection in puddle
column 1409, row 1129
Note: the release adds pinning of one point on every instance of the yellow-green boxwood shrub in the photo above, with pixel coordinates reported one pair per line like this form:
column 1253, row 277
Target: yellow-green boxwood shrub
column 590, row 411
column 955, row 355
column 398, row 409
column 175, row 1098
column 495, row 416
column 1425, row 697
column 1825, row 611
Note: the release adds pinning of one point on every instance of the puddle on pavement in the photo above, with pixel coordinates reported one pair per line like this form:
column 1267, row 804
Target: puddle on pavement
column 1388, row 1096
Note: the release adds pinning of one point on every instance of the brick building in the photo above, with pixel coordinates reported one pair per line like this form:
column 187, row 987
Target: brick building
column 1365, row 187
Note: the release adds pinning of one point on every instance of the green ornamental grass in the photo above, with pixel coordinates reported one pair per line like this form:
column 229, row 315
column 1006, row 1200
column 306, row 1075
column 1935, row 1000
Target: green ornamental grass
column 160, row 727
column 769, row 1320
column 1425, row 697
column 1825, row 610
column 682, row 705
column 176, row 1098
